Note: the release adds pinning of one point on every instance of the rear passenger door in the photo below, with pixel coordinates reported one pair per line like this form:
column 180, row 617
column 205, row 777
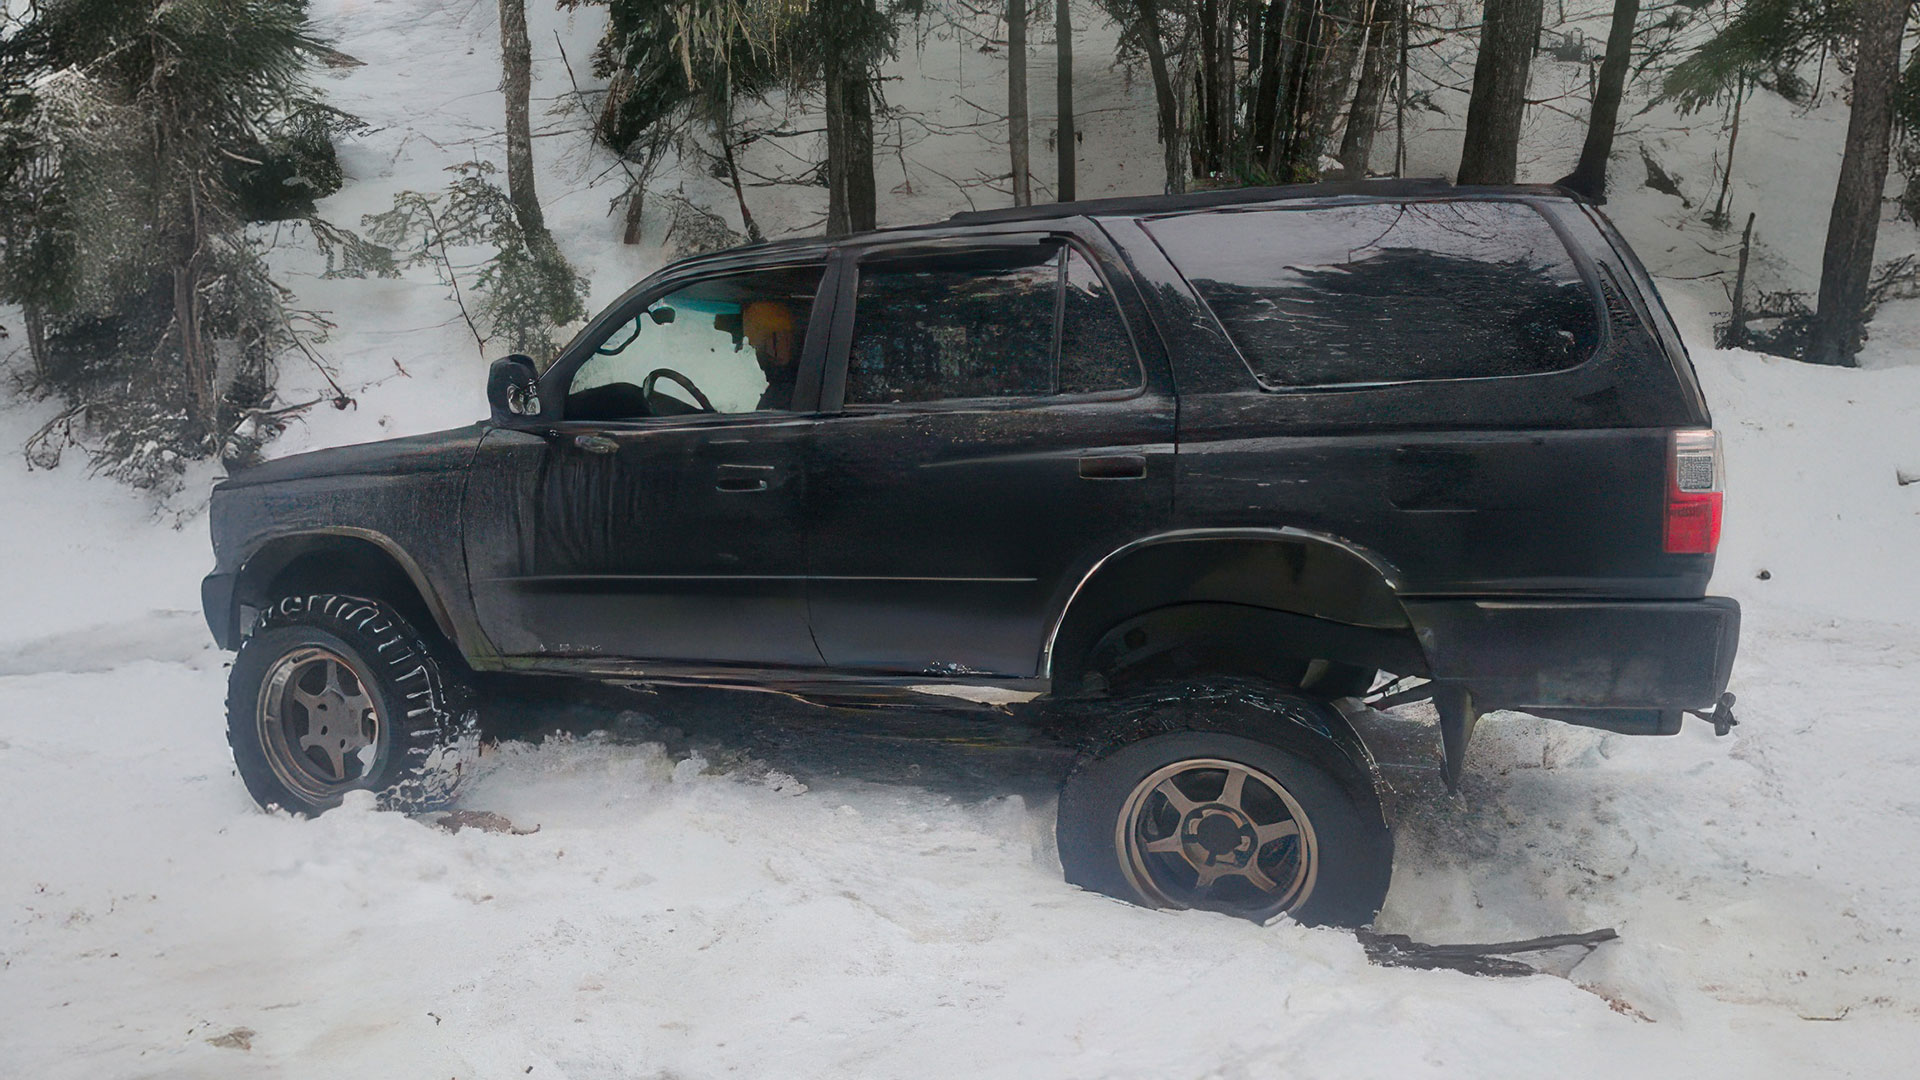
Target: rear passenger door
column 990, row 432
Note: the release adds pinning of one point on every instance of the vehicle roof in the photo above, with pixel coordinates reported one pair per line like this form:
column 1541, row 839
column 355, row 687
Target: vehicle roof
column 1141, row 205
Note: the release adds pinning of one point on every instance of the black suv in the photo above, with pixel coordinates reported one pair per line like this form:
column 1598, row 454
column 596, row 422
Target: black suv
column 1178, row 478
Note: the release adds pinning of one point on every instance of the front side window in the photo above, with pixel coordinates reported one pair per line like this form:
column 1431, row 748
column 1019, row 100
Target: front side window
column 993, row 323
column 1387, row 292
column 721, row 345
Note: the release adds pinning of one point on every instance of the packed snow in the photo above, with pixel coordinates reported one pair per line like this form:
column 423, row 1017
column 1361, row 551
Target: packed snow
column 715, row 889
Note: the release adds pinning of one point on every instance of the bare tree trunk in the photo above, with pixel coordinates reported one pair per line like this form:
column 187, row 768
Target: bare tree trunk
column 1171, row 149
column 1589, row 177
column 194, row 355
column 1400, row 93
column 1499, row 103
column 516, row 64
column 1221, row 78
column 1017, row 143
column 1064, row 141
column 1839, row 321
column 1289, row 158
column 754, row 235
column 862, row 194
column 1206, row 134
column 636, row 208
column 834, row 98
column 37, row 340
column 1346, row 30
column 1274, row 47
column 1356, row 146
column 850, row 186
column 1737, row 320
column 1717, row 217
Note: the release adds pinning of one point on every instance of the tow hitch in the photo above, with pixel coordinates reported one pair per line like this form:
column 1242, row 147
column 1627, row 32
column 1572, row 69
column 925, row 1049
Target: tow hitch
column 1722, row 715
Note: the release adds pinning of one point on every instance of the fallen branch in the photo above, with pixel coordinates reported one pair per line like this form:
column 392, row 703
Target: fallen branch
column 1398, row 950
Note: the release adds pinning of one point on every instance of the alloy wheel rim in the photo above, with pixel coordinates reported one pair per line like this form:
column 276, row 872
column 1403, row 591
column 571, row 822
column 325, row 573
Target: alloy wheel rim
column 319, row 723
column 1217, row 835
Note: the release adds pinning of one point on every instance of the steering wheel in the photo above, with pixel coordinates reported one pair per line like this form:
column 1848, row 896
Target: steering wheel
column 646, row 388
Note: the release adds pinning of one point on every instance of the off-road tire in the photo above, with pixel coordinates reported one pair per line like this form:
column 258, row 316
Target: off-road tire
column 427, row 728
column 1300, row 745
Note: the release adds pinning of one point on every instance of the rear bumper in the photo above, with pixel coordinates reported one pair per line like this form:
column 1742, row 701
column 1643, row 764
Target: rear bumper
column 1576, row 655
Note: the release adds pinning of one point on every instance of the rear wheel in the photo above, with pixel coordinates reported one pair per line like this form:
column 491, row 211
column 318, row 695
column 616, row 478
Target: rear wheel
column 332, row 694
column 1203, row 800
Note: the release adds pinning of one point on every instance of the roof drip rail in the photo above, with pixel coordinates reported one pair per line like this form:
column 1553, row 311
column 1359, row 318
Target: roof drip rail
column 1195, row 200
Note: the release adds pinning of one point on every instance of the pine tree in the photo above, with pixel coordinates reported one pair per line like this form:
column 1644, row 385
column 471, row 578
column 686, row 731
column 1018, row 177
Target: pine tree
column 124, row 120
column 1765, row 45
column 676, row 65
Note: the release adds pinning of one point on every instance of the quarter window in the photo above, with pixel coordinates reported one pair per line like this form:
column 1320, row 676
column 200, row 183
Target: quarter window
column 1386, row 292
column 1001, row 322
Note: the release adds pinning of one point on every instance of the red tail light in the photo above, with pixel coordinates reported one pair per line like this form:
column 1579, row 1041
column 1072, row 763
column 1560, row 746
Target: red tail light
column 1693, row 493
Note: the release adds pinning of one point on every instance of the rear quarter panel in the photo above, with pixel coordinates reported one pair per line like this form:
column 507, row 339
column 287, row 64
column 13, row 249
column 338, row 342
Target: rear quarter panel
column 1548, row 484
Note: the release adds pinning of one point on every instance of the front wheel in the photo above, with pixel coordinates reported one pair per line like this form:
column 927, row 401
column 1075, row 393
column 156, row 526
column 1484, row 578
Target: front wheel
column 332, row 694
column 1214, row 819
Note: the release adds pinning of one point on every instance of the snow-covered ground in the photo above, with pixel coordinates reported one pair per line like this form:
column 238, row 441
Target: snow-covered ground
column 692, row 907
column 697, row 904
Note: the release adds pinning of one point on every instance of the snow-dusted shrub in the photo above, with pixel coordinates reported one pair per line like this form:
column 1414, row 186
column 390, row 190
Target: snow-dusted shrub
column 524, row 288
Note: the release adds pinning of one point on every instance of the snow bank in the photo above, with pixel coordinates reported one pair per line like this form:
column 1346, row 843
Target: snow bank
column 1815, row 462
column 671, row 918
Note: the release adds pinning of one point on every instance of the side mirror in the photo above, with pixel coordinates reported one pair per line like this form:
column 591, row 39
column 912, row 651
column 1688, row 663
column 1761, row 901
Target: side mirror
column 513, row 388
column 661, row 316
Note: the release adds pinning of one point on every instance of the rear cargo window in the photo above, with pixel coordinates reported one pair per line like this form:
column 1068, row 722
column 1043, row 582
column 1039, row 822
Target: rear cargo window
column 1387, row 292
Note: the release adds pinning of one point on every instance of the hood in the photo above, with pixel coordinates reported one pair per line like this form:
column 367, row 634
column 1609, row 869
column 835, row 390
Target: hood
column 435, row 452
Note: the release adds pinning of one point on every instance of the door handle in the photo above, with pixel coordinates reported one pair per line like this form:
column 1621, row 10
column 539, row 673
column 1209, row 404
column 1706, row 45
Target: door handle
column 744, row 477
column 596, row 444
column 1113, row 467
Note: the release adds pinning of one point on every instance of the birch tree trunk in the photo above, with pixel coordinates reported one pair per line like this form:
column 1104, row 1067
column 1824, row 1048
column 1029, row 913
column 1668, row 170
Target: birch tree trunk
column 1345, row 30
column 1845, row 270
column 1356, row 145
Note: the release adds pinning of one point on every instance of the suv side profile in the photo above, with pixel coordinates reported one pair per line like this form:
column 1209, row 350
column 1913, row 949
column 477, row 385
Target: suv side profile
column 1179, row 477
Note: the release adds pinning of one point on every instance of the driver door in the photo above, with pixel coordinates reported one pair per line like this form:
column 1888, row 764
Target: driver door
column 657, row 518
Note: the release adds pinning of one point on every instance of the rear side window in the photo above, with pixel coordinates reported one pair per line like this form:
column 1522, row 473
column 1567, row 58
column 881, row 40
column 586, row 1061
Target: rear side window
column 1387, row 292
column 1019, row 321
